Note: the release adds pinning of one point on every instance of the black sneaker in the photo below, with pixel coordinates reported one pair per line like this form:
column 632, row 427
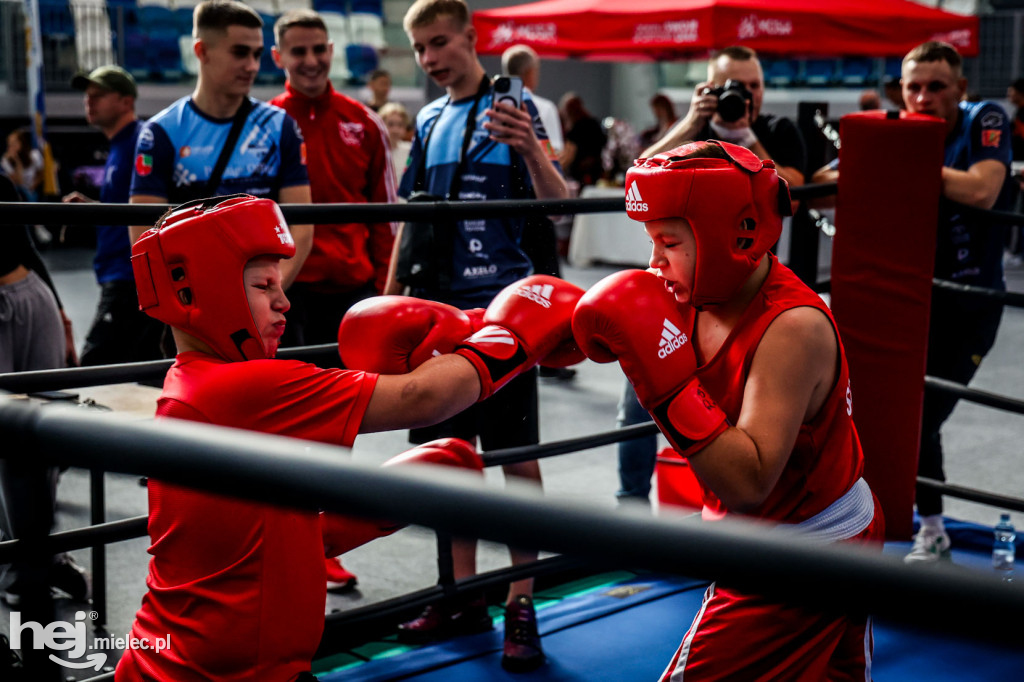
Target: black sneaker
column 439, row 621
column 522, row 652
column 69, row 578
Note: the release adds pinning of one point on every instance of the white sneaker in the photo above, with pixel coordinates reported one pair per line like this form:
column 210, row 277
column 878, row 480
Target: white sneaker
column 929, row 546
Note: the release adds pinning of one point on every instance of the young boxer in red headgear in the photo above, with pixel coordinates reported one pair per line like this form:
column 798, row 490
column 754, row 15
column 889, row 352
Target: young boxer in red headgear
column 741, row 366
column 236, row 587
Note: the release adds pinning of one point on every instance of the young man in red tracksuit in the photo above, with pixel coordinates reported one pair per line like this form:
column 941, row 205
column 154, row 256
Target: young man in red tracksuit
column 235, row 586
column 741, row 366
column 348, row 156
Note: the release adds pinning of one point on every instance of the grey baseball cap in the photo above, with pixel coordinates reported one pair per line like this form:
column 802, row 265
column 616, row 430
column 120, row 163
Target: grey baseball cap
column 109, row 78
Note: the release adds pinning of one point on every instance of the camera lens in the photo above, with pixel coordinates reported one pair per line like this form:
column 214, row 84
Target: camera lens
column 502, row 85
column 732, row 106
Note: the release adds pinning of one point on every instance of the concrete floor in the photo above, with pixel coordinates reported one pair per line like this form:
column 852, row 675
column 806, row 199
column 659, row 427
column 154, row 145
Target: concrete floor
column 983, row 448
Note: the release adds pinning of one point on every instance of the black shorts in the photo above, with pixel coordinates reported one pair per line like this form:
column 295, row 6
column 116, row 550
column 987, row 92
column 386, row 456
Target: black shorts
column 507, row 419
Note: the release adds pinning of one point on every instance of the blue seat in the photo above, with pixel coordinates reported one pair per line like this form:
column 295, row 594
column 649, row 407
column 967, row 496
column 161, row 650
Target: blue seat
column 819, row 72
column 55, row 20
column 780, row 72
column 269, row 73
column 893, row 67
column 362, row 59
column 856, row 70
column 337, row 6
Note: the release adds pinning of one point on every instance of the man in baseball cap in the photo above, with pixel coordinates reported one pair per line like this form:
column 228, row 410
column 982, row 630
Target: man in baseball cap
column 110, row 77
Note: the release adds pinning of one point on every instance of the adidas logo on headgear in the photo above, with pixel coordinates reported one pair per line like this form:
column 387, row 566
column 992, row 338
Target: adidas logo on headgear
column 671, row 339
column 634, row 202
column 538, row 293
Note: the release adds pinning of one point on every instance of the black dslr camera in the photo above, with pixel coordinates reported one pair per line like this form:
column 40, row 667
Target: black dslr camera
column 733, row 100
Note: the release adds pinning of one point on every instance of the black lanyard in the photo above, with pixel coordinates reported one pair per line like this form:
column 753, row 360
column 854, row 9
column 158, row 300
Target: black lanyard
column 467, row 137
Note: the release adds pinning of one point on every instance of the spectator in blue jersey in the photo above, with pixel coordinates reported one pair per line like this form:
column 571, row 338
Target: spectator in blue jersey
column 120, row 332
column 468, row 148
column 962, row 328
column 976, row 172
column 176, row 159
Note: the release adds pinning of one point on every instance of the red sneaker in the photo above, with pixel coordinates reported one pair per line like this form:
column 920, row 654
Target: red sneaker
column 338, row 579
column 522, row 651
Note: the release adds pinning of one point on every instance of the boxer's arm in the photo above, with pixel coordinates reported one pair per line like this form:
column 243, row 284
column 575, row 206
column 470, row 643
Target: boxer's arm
column 977, row 186
column 790, row 378
column 436, row 390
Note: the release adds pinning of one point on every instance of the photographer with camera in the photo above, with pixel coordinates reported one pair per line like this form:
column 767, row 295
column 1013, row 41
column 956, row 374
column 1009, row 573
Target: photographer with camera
column 728, row 107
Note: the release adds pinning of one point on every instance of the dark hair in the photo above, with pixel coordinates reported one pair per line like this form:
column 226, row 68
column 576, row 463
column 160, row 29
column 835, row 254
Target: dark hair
column 24, row 136
column 218, row 15
column 1018, row 85
column 297, row 18
column 935, row 51
column 662, row 101
column 378, row 73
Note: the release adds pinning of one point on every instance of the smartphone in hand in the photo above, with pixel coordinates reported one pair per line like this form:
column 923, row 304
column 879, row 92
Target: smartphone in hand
column 508, row 90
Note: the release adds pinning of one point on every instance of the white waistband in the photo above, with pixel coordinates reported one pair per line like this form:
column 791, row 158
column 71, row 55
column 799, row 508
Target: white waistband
column 845, row 518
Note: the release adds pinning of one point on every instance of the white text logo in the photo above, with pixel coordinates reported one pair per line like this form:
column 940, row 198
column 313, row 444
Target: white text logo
column 538, row 293
column 634, row 202
column 667, row 32
column 671, row 339
column 753, row 26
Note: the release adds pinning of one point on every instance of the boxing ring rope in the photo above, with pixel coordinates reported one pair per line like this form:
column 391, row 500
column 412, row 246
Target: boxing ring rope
column 296, row 473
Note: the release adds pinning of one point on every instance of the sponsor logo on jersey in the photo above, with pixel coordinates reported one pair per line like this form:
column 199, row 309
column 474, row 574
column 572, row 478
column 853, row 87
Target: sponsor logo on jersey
column 185, row 151
column 143, row 164
column 480, row 270
column 302, row 153
column 538, row 293
column 990, row 138
column 671, row 339
column 992, row 119
column 634, row 202
column 351, row 133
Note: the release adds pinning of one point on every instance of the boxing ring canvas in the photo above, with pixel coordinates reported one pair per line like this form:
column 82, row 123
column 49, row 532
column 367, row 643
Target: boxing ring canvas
column 626, row 626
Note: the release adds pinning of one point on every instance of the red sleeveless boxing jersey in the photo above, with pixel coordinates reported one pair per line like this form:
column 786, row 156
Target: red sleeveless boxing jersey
column 827, row 458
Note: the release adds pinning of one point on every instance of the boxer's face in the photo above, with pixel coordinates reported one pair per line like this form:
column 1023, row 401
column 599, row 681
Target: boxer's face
column 673, row 255
column 267, row 302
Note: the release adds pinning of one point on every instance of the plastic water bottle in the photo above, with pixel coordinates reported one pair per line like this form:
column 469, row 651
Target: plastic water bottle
column 1003, row 547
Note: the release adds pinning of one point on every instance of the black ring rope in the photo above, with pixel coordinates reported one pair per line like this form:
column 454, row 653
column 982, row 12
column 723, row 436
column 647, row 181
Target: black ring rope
column 527, row 453
column 103, row 375
column 973, row 395
column 81, row 538
column 1011, row 298
column 973, row 494
column 285, row 471
column 147, row 214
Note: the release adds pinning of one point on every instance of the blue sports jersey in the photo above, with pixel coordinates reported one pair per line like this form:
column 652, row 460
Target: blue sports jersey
column 487, row 256
column 971, row 252
column 112, row 262
column 178, row 148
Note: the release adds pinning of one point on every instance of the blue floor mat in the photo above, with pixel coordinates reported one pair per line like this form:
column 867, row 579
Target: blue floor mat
column 629, row 630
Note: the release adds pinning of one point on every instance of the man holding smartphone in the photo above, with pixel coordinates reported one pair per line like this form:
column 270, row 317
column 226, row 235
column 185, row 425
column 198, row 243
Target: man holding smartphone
column 468, row 146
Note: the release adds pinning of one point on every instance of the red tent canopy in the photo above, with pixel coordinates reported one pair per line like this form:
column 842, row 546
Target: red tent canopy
column 647, row 30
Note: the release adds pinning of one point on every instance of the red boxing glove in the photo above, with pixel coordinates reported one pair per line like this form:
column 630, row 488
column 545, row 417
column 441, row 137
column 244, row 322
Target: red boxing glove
column 342, row 533
column 632, row 318
column 525, row 322
column 397, row 334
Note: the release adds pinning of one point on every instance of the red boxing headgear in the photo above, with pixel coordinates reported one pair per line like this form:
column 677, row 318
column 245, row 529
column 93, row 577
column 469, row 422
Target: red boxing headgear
column 734, row 207
column 188, row 269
